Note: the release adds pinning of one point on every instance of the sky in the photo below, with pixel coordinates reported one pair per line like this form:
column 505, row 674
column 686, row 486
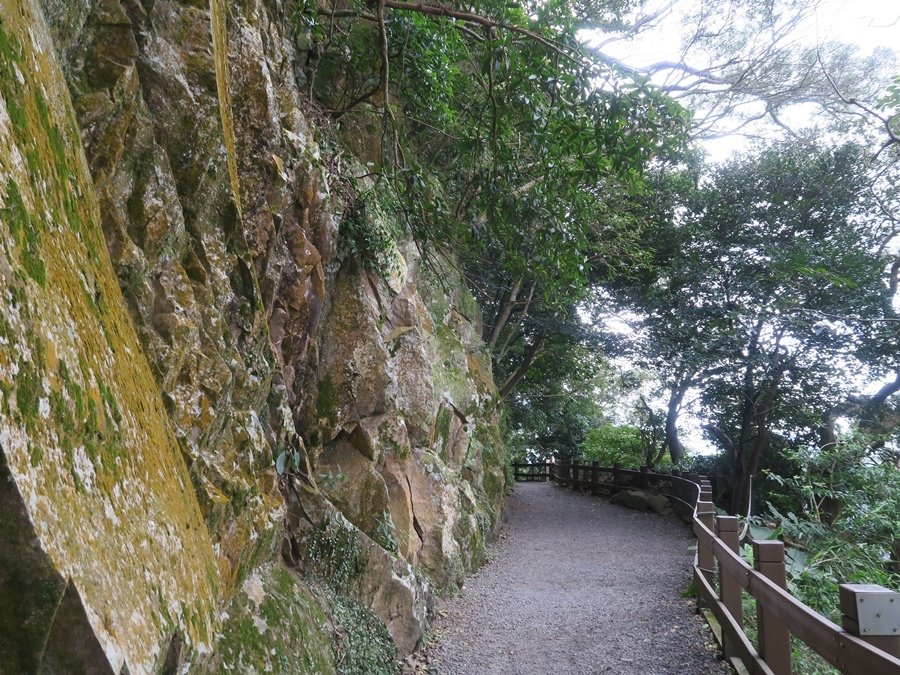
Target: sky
column 868, row 24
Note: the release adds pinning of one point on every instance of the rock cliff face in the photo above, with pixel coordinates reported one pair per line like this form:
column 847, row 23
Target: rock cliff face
column 179, row 306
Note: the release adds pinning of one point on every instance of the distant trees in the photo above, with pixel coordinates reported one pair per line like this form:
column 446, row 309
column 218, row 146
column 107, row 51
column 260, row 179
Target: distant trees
column 767, row 283
column 623, row 444
column 558, row 402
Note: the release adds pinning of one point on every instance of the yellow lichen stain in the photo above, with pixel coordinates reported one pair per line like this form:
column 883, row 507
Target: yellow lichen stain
column 205, row 418
column 219, row 26
column 51, row 359
column 124, row 526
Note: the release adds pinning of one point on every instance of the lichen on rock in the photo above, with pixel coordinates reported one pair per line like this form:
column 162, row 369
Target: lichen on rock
column 187, row 290
column 87, row 443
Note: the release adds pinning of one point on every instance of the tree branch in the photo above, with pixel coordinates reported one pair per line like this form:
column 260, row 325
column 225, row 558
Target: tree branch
column 468, row 17
column 531, row 353
column 503, row 314
column 892, row 137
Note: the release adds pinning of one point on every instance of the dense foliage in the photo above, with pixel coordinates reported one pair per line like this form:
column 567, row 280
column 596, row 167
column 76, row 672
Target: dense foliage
column 761, row 294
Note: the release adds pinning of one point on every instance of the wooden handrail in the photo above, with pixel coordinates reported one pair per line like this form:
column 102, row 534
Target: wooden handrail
column 846, row 651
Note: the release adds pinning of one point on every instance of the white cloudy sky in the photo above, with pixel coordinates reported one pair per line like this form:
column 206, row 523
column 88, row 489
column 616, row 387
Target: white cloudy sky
column 869, row 24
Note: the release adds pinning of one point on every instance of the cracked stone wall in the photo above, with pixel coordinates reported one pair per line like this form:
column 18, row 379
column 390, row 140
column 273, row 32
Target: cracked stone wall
column 176, row 311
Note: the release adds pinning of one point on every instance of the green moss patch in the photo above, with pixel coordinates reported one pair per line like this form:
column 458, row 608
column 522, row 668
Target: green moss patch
column 275, row 626
column 327, row 400
column 334, row 563
column 334, row 557
column 364, row 646
column 26, row 231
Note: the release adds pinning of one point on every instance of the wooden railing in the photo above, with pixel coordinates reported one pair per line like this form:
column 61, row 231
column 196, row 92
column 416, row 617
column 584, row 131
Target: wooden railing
column 867, row 644
column 538, row 471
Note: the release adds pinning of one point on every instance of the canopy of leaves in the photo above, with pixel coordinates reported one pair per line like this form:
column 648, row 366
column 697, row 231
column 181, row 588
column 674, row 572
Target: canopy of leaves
column 510, row 142
column 612, row 444
column 548, row 170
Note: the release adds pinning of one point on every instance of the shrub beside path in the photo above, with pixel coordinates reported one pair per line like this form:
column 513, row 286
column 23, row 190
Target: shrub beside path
column 577, row 585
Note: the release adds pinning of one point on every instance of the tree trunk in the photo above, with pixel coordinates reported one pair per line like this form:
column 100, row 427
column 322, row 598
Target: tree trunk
column 740, row 449
column 503, row 313
column 528, row 358
column 515, row 331
column 750, row 454
column 672, row 442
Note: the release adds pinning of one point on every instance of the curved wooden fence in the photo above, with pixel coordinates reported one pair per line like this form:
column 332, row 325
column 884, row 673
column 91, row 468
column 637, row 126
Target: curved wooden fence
column 867, row 644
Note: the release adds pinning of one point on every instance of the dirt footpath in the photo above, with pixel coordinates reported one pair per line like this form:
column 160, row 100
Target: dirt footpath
column 577, row 586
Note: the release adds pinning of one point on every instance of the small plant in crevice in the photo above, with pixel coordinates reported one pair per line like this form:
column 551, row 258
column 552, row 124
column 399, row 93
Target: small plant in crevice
column 287, row 461
column 386, row 534
column 306, row 24
column 331, row 480
column 365, row 237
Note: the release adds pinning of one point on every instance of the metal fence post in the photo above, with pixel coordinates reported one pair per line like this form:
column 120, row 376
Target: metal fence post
column 774, row 637
column 872, row 613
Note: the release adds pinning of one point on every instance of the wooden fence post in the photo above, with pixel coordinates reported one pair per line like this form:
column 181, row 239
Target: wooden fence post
column 872, row 613
column 617, row 479
column 576, row 475
column 516, row 472
column 774, row 637
column 705, row 559
column 595, row 476
column 729, row 588
column 644, row 483
column 705, row 489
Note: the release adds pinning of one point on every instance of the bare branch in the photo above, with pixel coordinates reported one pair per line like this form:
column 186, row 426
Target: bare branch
column 444, row 11
column 886, row 121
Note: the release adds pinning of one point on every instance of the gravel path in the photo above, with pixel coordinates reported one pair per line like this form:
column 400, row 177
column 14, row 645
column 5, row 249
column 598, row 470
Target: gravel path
column 577, row 586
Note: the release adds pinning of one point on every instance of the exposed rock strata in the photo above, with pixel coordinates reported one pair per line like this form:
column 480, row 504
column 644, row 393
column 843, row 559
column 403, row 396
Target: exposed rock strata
column 175, row 311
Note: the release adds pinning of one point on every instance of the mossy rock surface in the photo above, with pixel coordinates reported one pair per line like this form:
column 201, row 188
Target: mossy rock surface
column 87, row 441
column 275, row 625
column 169, row 255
